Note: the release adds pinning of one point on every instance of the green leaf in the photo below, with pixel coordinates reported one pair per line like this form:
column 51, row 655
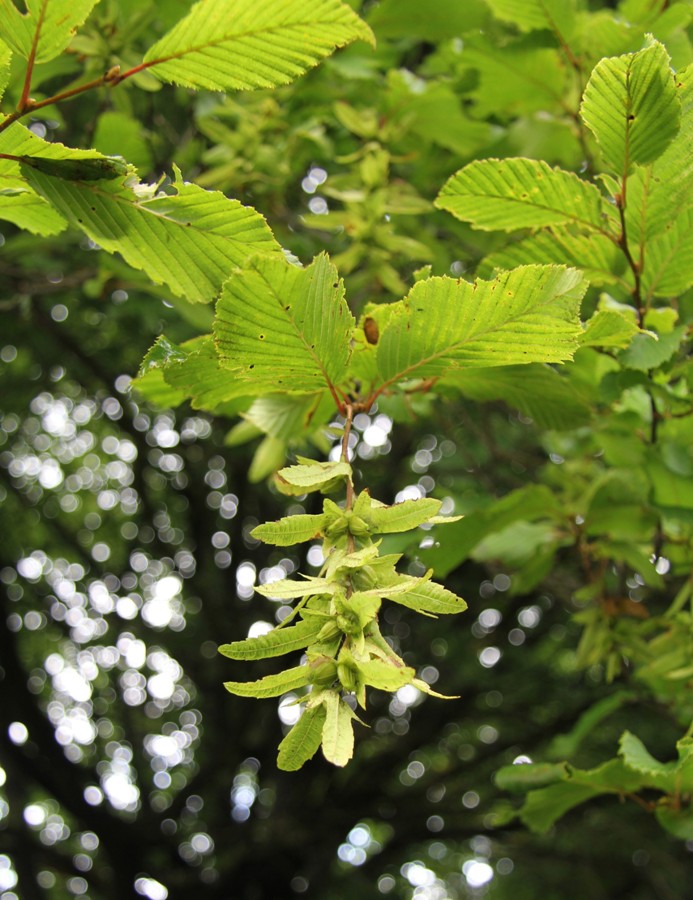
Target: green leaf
column 276, row 642
column 535, row 501
column 528, row 776
column 537, row 390
column 385, row 676
column 302, row 741
column 5, row 57
column 190, row 240
column 598, row 257
column 51, row 23
column 647, row 351
column 338, row 730
column 636, row 756
column 528, row 15
column 289, row 530
column 567, row 745
column 527, row 315
column 289, row 416
column 309, row 476
column 271, row 685
column 283, row 327
column 668, row 268
column 677, row 820
column 240, row 45
column 268, row 457
column 544, row 806
column 632, row 107
column 402, row 516
column 430, row 22
column 507, row 194
column 289, row 589
column 29, row 211
column 425, row 597
column 608, row 328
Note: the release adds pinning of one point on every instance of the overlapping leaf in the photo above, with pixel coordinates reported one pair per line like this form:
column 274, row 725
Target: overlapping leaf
column 190, row 241
column 5, row 57
column 241, row 44
column 49, row 23
column 669, row 258
column 632, row 107
column 527, row 315
column 274, row 643
column 554, row 15
column 271, row 685
column 280, row 327
column 29, row 211
column 302, row 741
column 507, row 194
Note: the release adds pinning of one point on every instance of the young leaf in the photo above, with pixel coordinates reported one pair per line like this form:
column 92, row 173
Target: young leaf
column 281, row 327
column 385, row 676
column 527, row 315
column 608, row 328
column 289, row 589
column 507, row 194
column 338, row 731
column 271, row 685
column 240, row 45
column 528, row 776
column 426, row 597
column 312, row 476
column 301, row 743
column 51, row 24
column 276, row 642
column 631, row 106
column 402, row 516
column 289, row 530
column 636, row 756
column 190, row 241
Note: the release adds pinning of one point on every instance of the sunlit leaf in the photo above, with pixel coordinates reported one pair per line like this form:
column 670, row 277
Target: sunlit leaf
column 302, row 741
column 553, row 15
column 5, row 57
column 507, row 194
column 402, row 516
column 271, row 685
column 312, row 476
column 425, row 597
column 631, row 105
column 29, row 211
column 279, row 326
column 288, row 588
column 338, row 730
column 385, row 676
column 240, row 45
column 274, row 643
column 289, row 530
column 54, row 21
column 526, row 315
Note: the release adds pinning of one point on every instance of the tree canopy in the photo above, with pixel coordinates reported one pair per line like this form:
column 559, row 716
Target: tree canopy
column 324, row 322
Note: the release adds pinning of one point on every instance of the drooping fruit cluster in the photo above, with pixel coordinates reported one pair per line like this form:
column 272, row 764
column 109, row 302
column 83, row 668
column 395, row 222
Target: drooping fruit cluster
column 336, row 619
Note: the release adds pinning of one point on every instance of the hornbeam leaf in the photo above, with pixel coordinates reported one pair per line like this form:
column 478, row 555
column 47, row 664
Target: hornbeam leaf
column 530, row 15
column 304, row 478
column 637, row 757
column 668, row 268
column 100, row 168
column 301, row 743
column 288, row 588
column 385, row 676
column 527, row 315
column 289, row 530
column 271, row 685
column 338, row 731
column 608, row 328
column 536, row 390
column 276, row 642
column 426, row 597
column 29, row 211
column 5, row 57
column 51, row 23
column 507, row 194
column 241, row 45
column 190, row 241
column 520, row 778
column 281, row 327
column 402, row 516
column 632, row 107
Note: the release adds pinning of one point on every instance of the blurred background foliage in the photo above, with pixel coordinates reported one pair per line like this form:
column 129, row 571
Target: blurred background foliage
column 125, row 560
